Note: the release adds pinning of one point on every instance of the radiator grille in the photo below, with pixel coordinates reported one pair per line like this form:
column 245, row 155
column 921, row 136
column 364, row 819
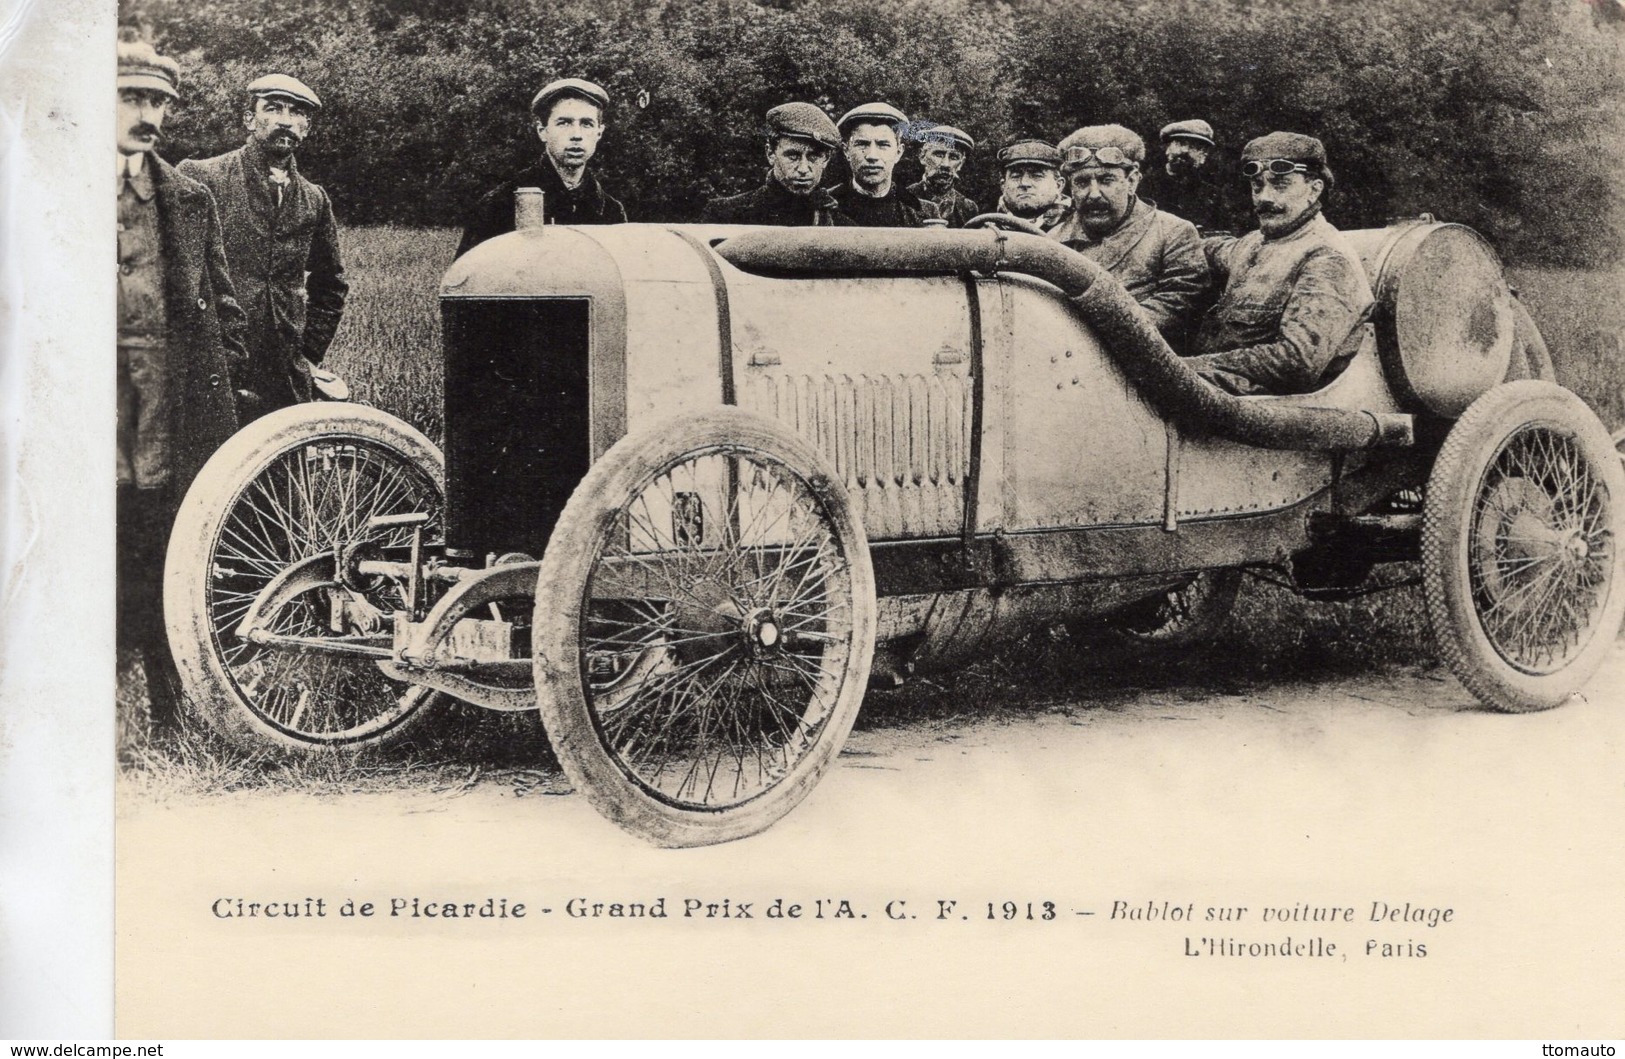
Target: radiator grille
column 516, row 414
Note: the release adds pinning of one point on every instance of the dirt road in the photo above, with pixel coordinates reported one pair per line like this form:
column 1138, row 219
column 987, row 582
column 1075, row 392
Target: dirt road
column 1157, row 855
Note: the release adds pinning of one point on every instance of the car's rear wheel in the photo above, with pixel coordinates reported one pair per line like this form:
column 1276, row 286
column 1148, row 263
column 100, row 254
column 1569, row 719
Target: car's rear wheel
column 1521, row 559
column 705, row 621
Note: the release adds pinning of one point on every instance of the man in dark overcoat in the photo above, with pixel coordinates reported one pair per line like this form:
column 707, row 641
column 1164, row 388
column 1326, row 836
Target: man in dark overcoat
column 180, row 351
column 281, row 243
column 568, row 118
column 801, row 139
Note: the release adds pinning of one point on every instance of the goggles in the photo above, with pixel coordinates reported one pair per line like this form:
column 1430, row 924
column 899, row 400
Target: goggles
column 1275, row 166
column 1078, row 157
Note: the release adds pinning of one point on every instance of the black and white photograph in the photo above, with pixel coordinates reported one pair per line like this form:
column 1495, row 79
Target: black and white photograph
column 991, row 518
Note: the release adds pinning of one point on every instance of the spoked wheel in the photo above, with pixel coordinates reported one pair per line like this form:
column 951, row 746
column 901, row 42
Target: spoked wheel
column 299, row 483
column 1181, row 618
column 705, row 620
column 1521, row 557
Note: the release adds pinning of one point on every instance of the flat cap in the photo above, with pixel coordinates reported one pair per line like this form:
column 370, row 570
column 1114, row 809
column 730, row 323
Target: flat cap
column 1194, row 129
column 1104, row 137
column 948, row 134
column 283, row 85
column 872, row 114
column 1293, row 146
column 803, row 121
column 1030, row 152
column 569, row 86
column 140, row 66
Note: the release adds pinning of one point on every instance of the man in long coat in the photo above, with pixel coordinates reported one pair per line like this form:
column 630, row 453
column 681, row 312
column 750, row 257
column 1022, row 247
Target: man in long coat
column 180, row 351
column 1156, row 256
column 281, row 243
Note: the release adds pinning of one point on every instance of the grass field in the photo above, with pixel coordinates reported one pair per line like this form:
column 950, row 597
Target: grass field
column 388, row 348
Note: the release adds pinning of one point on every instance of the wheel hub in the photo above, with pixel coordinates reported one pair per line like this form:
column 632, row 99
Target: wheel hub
column 763, row 631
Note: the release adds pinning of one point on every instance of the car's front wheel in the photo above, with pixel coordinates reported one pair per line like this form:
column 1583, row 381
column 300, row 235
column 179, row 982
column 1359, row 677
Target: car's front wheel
column 705, row 621
column 1521, row 559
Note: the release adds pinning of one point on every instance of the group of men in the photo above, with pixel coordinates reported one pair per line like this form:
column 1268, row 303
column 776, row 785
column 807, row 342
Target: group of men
column 231, row 285
column 230, row 288
column 1275, row 311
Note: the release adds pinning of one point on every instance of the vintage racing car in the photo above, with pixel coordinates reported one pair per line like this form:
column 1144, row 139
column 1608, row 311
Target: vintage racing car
column 697, row 481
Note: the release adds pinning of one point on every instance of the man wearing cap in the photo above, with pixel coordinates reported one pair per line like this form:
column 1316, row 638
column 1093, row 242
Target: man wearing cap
column 942, row 156
column 1189, row 183
column 180, row 349
column 873, row 136
column 1156, row 256
column 568, row 116
column 800, row 141
column 1296, row 297
column 281, row 242
column 1031, row 185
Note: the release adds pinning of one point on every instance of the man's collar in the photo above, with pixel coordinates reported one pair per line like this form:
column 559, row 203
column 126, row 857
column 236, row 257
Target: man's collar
column 546, row 177
column 260, row 158
column 580, row 183
column 1060, row 207
column 819, row 198
column 1299, row 225
column 137, row 175
column 857, row 189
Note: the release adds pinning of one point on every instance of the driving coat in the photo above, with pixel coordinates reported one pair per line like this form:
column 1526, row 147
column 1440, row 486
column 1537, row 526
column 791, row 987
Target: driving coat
column 204, row 324
column 1292, row 313
column 772, row 203
column 284, row 260
column 1158, row 259
column 586, row 203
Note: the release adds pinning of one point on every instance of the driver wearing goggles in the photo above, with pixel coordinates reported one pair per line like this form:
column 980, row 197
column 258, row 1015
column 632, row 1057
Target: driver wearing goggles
column 1156, row 256
column 1296, row 298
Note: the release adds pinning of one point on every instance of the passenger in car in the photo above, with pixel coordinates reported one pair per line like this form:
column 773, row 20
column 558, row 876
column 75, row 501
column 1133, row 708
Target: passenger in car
column 1295, row 296
column 1156, row 256
column 801, row 139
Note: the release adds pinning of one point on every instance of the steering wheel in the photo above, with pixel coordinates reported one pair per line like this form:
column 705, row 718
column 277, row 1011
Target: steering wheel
column 1006, row 221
